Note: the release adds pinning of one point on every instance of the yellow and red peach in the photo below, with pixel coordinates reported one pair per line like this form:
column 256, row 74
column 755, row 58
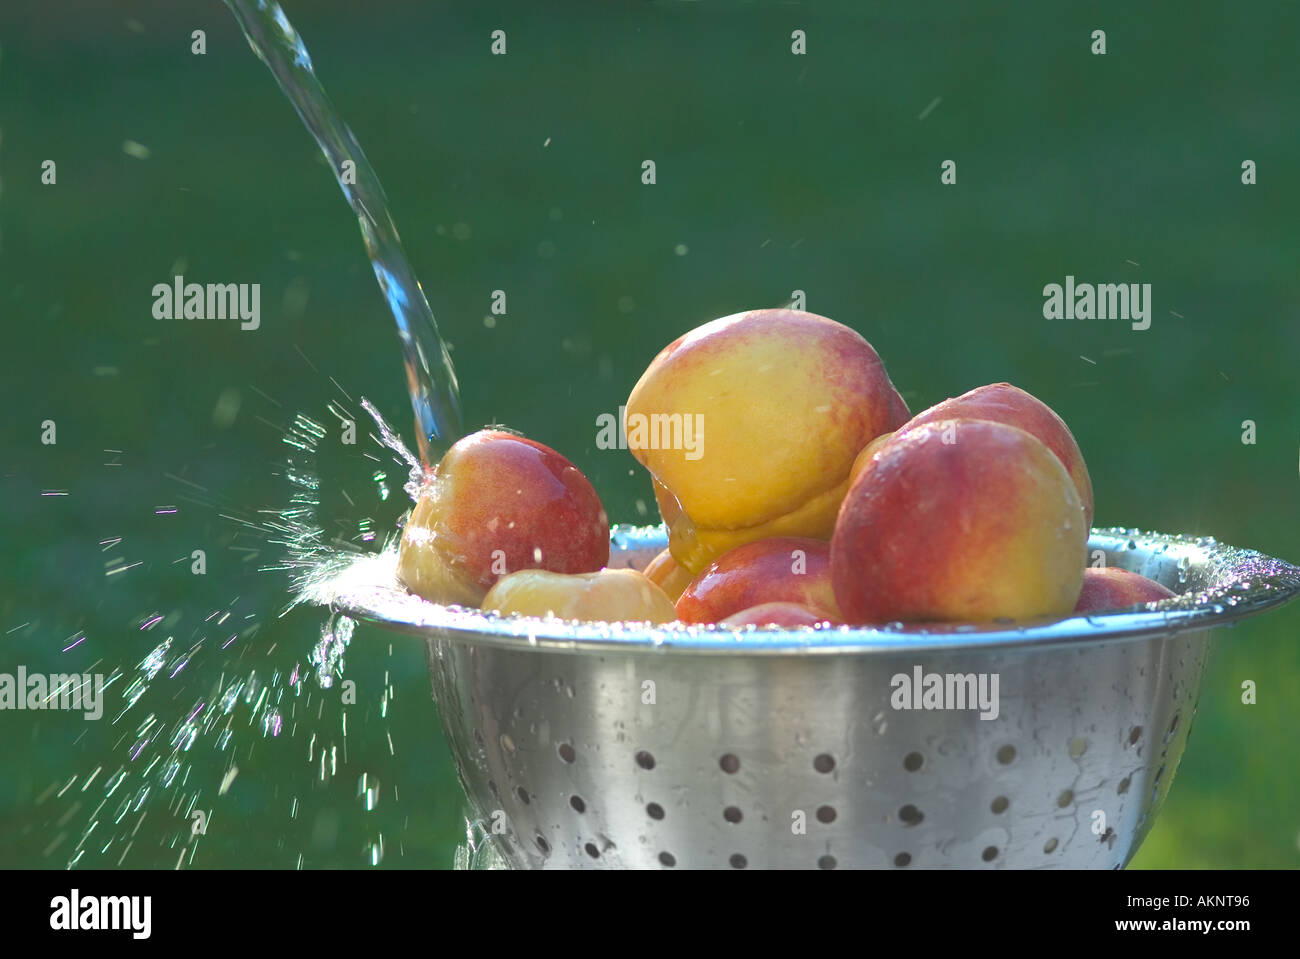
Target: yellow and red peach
column 782, row 569
column 495, row 504
column 1004, row 403
column 667, row 574
column 786, row 401
column 959, row 520
column 1110, row 587
column 778, row 614
column 611, row 595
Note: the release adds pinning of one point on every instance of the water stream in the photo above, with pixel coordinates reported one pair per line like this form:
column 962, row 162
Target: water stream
column 430, row 376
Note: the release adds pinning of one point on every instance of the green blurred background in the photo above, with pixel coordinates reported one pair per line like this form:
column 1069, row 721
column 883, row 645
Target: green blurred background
column 775, row 173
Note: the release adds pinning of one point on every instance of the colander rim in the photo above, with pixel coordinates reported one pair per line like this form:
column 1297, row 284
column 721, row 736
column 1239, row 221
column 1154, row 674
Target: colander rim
column 366, row 589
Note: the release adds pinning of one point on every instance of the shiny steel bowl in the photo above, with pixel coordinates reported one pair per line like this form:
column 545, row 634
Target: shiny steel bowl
column 608, row 745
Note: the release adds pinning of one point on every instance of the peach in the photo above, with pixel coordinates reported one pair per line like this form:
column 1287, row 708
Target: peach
column 959, row 520
column 495, row 504
column 611, row 595
column 778, row 614
column 1004, row 403
column 868, row 451
column 1114, row 588
column 665, row 573
column 782, row 569
column 779, row 402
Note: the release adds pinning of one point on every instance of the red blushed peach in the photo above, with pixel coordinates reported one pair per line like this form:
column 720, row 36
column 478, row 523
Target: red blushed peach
column 782, row 569
column 495, row 504
column 778, row 614
column 665, row 573
column 1004, row 403
column 960, row 520
column 779, row 402
column 1114, row 588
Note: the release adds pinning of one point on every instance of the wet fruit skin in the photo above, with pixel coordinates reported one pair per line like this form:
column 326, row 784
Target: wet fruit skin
column 787, row 400
column 1110, row 588
column 611, row 595
column 778, row 614
column 1004, row 403
column 666, row 573
column 986, row 526
column 783, row 569
column 495, row 504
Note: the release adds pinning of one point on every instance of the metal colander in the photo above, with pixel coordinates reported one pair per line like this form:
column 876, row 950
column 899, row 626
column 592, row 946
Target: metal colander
column 599, row 745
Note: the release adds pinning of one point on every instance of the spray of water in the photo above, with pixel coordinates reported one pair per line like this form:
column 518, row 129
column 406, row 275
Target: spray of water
column 209, row 703
column 266, row 690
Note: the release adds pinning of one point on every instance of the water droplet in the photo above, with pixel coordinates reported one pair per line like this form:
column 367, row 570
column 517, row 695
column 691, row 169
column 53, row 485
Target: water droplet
column 368, row 791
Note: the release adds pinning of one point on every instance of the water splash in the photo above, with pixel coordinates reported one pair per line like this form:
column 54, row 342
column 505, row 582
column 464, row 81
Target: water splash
column 175, row 770
column 196, row 716
column 327, row 655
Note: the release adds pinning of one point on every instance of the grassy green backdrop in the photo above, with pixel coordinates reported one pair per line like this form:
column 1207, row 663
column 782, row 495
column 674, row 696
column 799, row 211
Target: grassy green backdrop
column 775, row 172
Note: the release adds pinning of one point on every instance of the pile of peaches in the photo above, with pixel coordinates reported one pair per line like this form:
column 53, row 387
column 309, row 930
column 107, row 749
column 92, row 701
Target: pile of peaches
column 808, row 495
